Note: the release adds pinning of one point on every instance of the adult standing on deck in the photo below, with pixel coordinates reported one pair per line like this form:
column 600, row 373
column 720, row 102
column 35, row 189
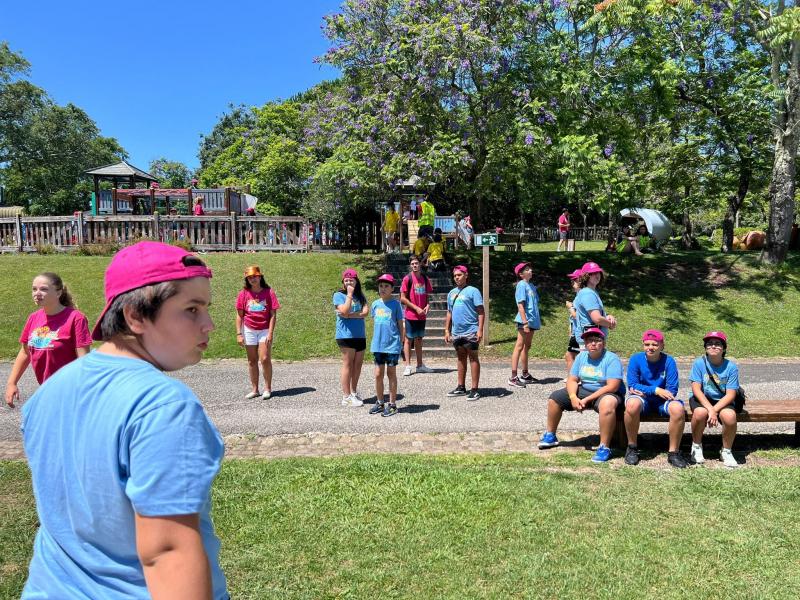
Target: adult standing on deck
column 426, row 219
column 563, row 228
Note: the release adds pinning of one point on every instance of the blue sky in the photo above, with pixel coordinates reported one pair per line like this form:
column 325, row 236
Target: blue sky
column 155, row 75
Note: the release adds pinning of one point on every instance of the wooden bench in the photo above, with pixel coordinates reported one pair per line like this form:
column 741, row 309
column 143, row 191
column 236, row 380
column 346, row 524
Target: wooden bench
column 755, row 411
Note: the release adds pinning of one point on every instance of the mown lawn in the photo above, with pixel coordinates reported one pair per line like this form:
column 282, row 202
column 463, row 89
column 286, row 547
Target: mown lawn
column 515, row 526
column 683, row 293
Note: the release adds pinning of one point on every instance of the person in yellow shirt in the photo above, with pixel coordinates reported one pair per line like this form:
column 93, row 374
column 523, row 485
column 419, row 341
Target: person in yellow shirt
column 436, row 252
column 391, row 228
column 426, row 218
column 421, row 247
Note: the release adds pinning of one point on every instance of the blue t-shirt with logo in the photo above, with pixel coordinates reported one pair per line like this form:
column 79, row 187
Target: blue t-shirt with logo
column 348, row 328
column 386, row 335
column 526, row 292
column 726, row 375
column 463, row 306
column 593, row 374
column 108, row 437
column 586, row 301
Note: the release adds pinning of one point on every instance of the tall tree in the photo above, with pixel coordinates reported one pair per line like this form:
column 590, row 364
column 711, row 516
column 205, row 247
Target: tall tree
column 170, row 173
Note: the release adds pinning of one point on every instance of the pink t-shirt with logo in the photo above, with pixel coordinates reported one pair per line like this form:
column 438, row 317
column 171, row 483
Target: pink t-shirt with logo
column 257, row 307
column 198, row 210
column 563, row 223
column 52, row 340
column 417, row 291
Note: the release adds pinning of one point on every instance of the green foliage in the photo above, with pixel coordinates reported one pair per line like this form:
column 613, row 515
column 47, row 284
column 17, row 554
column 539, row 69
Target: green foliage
column 170, row 173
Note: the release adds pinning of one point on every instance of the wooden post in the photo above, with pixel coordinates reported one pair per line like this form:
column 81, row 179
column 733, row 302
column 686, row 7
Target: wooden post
column 234, row 233
column 96, row 195
column 227, row 199
column 80, row 228
column 157, row 226
column 152, row 201
column 485, row 340
column 18, row 227
column 191, row 200
column 114, row 201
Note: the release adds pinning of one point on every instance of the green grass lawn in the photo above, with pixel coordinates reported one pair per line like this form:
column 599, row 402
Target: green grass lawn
column 683, row 293
column 514, row 526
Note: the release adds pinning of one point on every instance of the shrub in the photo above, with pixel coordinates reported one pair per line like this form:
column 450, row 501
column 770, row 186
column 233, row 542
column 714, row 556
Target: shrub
column 102, row 247
column 46, row 249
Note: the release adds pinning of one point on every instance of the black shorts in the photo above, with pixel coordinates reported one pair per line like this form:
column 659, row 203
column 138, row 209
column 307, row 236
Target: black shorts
column 415, row 328
column 521, row 327
column 573, row 346
column 357, row 344
column 561, row 397
column 695, row 404
column 468, row 342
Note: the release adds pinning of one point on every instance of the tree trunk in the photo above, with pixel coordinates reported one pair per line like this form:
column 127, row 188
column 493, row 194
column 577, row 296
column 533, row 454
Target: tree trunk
column 687, row 241
column 583, row 217
column 735, row 202
column 613, row 225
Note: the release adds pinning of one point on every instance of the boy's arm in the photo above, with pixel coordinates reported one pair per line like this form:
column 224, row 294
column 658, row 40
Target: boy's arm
column 481, row 318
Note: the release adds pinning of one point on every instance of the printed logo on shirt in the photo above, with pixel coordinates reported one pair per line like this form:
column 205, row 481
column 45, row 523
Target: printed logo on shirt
column 721, row 381
column 383, row 314
column 355, row 306
column 458, row 300
column 420, row 290
column 591, row 373
column 42, row 338
column 254, row 305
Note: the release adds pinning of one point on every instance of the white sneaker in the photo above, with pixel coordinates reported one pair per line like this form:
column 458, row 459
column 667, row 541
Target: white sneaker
column 266, row 395
column 424, row 369
column 407, row 371
column 696, row 454
column 727, row 458
column 358, row 399
column 352, row 400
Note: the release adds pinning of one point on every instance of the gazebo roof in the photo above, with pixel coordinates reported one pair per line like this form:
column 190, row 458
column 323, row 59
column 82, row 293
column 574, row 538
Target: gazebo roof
column 120, row 170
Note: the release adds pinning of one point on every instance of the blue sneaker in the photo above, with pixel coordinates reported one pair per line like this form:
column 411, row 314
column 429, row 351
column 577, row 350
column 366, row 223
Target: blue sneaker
column 549, row 440
column 602, row 455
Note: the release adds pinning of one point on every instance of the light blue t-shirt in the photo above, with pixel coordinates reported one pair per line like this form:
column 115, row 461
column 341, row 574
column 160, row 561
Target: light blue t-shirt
column 463, row 305
column 726, row 375
column 348, row 328
column 586, row 301
column 107, row 437
column 526, row 292
column 385, row 333
column 593, row 374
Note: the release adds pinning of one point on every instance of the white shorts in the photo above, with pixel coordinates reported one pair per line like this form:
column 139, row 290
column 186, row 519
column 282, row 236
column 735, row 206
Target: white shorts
column 254, row 337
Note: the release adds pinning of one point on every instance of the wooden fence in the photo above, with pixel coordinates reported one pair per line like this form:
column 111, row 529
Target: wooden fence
column 207, row 233
column 549, row 234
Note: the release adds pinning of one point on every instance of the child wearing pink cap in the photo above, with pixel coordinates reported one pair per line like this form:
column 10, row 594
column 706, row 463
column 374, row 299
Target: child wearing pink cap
column 528, row 321
column 53, row 336
column 653, row 389
column 588, row 305
column 351, row 336
column 573, row 347
column 716, row 397
column 414, row 292
column 122, row 457
column 387, row 341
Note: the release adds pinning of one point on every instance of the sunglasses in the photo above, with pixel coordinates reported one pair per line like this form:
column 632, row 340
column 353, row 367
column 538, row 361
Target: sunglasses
column 719, row 344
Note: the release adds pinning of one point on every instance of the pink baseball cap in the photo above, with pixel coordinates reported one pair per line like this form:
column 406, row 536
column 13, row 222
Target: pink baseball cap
column 461, row 269
column 141, row 264
column 575, row 274
column 591, row 267
column 653, row 334
column 518, row 269
column 349, row 274
column 593, row 331
column 720, row 335
column 387, row 277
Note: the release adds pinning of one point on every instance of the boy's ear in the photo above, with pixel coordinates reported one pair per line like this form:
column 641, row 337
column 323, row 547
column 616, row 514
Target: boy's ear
column 134, row 320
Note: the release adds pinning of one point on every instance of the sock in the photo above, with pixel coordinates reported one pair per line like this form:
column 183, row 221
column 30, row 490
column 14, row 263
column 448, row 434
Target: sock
column 696, row 446
column 513, row 374
column 634, row 446
column 525, row 372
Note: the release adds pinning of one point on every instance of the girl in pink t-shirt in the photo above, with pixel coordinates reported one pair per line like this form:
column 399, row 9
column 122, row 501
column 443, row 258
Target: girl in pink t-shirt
column 53, row 336
column 255, row 326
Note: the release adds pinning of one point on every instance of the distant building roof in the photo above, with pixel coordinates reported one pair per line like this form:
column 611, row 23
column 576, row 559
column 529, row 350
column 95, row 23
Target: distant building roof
column 120, row 170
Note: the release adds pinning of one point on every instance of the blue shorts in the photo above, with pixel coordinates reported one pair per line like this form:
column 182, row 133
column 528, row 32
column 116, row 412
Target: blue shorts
column 383, row 358
column 654, row 404
column 415, row 328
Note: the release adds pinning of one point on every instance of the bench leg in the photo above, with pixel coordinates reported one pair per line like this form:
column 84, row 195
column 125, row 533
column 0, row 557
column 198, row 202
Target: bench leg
column 620, row 436
column 797, row 433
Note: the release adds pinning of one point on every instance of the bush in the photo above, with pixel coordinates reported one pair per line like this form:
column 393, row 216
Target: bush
column 46, row 249
column 102, row 247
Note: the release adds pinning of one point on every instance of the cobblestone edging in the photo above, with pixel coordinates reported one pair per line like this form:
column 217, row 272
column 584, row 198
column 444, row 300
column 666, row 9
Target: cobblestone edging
column 313, row 444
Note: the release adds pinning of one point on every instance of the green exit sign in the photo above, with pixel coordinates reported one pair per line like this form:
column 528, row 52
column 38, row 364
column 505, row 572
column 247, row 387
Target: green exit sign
column 486, row 239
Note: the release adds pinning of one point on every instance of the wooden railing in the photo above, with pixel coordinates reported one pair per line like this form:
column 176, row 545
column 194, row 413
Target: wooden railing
column 550, row 234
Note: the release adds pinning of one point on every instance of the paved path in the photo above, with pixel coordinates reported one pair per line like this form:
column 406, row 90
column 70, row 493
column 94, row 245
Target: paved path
column 304, row 416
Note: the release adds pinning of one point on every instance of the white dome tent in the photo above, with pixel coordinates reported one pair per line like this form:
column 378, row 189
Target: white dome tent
column 657, row 224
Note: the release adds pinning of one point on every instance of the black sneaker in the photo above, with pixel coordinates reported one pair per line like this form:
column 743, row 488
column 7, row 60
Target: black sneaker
column 676, row 460
column 528, row 378
column 632, row 455
column 459, row 391
column 376, row 408
column 473, row 395
column 391, row 409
